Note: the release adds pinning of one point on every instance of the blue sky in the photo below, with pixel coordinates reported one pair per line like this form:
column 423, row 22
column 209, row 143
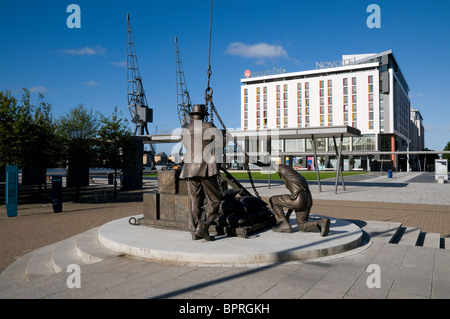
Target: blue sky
column 72, row 66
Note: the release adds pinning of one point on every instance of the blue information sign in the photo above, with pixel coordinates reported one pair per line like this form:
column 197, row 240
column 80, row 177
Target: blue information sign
column 11, row 198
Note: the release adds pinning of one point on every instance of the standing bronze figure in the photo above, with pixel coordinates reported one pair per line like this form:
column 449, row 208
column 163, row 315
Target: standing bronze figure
column 201, row 171
column 300, row 200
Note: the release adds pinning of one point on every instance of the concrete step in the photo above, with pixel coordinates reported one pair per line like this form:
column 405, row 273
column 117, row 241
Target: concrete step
column 16, row 271
column 81, row 249
column 380, row 231
column 408, row 236
column 65, row 254
column 88, row 248
column 431, row 240
column 446, row 242
column 40, row 264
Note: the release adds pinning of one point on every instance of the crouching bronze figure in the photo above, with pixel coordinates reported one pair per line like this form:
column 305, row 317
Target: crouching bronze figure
column 299, row 200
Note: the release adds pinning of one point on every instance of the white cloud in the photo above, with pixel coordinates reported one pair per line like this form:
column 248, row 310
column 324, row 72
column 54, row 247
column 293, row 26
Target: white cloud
column 259, row 50
column 38, row 89
column 90, row 83
column 121, row 63
column 415, row 95
column 86, row 51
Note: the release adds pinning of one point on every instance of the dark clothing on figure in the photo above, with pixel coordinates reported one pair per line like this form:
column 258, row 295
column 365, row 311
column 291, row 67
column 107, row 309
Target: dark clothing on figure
column 300, row 199
column 201, row 171
column 196, row 141
column 204, row 200
column 302, row 206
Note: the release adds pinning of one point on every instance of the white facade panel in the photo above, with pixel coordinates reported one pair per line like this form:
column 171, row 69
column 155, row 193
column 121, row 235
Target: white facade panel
column 282, row 90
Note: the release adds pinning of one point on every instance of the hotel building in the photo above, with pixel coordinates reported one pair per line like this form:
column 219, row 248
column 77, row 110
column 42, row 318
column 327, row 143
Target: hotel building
column 365, row 91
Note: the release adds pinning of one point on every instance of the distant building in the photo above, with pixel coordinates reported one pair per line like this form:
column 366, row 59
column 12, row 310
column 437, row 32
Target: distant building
column 161, row 158
column 364, row 91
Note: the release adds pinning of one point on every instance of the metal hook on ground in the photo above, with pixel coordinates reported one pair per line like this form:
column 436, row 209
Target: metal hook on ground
column 133, row 221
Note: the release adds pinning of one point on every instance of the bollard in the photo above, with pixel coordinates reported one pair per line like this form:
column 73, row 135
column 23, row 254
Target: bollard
column 390, row 173
column 11, row 191
column 110, row 179
column 57, row 194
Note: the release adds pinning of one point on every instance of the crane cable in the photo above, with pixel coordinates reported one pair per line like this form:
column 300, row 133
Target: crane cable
column 209, row 101
column 209, row 91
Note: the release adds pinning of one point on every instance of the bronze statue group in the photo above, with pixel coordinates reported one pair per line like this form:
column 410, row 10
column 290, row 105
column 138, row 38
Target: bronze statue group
column 201, row 173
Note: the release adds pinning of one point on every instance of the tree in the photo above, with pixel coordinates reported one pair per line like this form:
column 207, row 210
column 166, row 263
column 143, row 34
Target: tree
column 8, row 137
column 39, row 148
column 78, row 131
column 114, row 144
column 447, row 148
column 28, row 134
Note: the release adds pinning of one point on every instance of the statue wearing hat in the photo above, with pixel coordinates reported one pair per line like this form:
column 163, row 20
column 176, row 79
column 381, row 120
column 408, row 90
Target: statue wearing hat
column 200, row 139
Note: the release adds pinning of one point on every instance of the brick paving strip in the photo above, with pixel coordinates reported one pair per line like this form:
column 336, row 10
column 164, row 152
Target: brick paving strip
column 36, row 225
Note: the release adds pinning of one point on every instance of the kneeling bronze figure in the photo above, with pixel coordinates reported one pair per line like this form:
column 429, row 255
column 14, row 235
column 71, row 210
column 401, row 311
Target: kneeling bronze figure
column 299, row 200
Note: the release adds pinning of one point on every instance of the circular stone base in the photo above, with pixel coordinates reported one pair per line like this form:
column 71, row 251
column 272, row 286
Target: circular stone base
column 263, row 247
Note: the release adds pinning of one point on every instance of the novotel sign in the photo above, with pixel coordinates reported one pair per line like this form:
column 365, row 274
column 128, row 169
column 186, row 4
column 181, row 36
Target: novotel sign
column 335, row 64
column 272, row 71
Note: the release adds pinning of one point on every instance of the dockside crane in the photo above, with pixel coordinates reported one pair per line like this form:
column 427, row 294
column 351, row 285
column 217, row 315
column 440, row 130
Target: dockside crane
column 184, row 104
column 141, row 114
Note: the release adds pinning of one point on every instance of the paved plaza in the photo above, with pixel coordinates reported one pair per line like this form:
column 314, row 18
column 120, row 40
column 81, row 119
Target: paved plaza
column 386, row 265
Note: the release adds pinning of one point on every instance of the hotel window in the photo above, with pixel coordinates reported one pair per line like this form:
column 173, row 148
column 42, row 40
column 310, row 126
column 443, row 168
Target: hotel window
column 265, row 107
column 258, row 107
column 278, row 107
column 370, row 91
column 299, row 105
column 307, row 104
column 245, row 109
column 354, row 103
column 345, row 101
column 321, row 116
column 322, row 107
column 285, row 104
column 330, row 103
column 381, row 112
